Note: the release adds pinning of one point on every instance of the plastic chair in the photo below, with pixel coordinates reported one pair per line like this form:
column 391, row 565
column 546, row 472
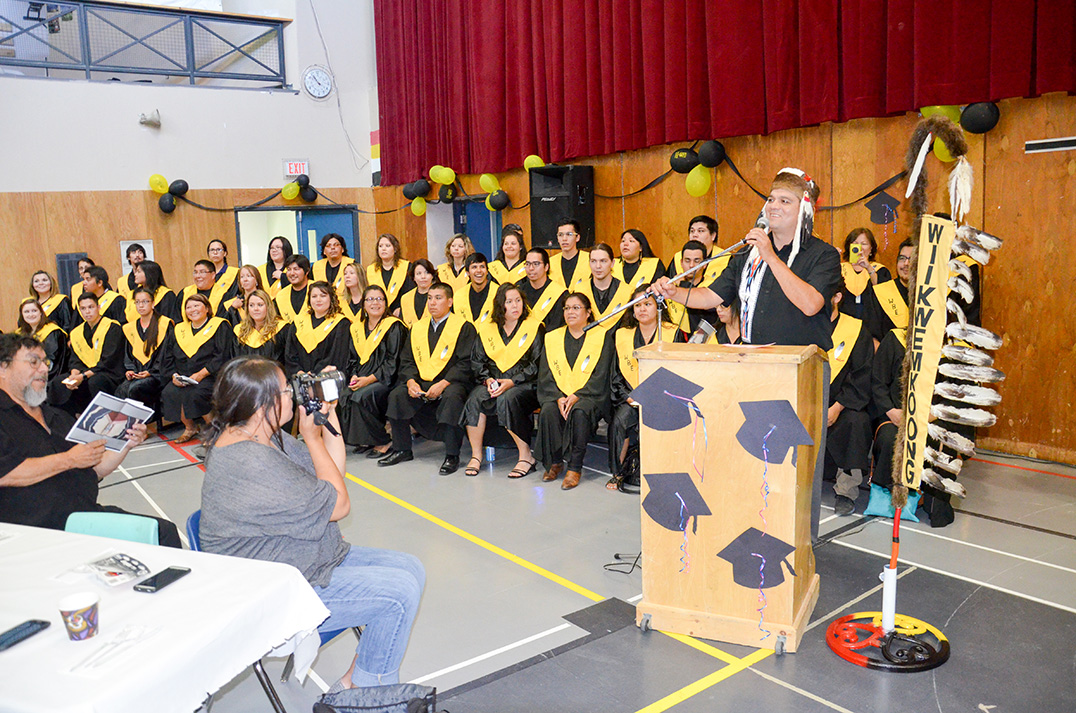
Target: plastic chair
column 119, row 526
column 194, row 524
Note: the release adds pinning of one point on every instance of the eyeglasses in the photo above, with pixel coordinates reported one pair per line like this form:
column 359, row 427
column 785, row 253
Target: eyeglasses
column 216, row 250
column 566, row 235
column 202, row 273
column 36, row 361
column 574, row 308
column 288, row 391
column 533, row 263
column 374, row 299
column 904, row 258
column 142, row 303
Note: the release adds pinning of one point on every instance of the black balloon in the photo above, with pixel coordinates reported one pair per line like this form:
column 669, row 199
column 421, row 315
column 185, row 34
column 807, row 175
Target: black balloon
column 178, row 187
column 683, row 160
column 167, row 203
column 499, row 200
column 447, row 194
column 422, row 187
column 303, row 180
column 308, row 194
column 711, row 154
column 409, row 191
column 980, row 118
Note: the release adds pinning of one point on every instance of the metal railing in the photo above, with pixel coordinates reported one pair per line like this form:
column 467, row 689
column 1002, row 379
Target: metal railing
column 99, row 41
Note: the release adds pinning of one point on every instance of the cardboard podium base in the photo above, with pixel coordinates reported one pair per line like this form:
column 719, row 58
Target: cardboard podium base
column 733, row 630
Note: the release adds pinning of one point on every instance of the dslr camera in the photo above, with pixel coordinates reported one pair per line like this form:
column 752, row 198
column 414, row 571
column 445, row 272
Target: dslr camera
column 313, row 390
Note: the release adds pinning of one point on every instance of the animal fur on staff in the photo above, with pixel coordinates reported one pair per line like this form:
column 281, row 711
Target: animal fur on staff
column 953, row 137
column 964, row 416
column 951, row 439
column 978, row 237
column 961, row 269
column 967, row 355
column 971, row 373
column 967, row 393
column 971, row 334
column 957, row 311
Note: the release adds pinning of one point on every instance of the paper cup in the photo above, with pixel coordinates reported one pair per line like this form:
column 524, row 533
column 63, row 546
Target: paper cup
column 79, row 612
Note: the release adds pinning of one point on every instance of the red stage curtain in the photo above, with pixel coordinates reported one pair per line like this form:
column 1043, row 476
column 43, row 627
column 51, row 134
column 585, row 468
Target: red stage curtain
column 478, row 85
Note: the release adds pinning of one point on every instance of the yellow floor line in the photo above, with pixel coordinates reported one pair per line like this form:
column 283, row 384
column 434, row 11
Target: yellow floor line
column 541, row 571
column 693, row 689
column 703, row 647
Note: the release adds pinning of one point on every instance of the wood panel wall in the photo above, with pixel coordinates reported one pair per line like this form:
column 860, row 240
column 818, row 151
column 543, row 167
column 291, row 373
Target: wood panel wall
column 1027, row 291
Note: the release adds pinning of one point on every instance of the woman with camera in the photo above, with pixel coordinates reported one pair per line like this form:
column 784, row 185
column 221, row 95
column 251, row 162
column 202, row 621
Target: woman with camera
column 267, row 496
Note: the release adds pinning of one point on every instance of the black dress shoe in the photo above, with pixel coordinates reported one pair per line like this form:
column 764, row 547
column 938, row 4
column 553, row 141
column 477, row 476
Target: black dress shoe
column 395, row 457
column 374, row 453
column 360, row 449
column 450, row 466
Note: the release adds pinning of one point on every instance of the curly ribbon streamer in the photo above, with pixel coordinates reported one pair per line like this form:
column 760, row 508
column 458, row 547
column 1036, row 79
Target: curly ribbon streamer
column 765, row 525
column 694, row 435
column 685, row 558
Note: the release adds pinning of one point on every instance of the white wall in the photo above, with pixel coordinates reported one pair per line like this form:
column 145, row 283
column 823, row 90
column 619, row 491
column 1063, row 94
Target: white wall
column 71, row 135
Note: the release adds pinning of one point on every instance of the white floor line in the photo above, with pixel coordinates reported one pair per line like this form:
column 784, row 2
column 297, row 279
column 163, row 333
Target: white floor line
column 153, row 504
column 318, row 680
column 849, row 604
column 605, row 473
column 491, row 654
column 831, row 517
column 636, row 598
column 797, row 689
column 149, row 446
column 962, row 578
column 155, row 465
column 927, row 533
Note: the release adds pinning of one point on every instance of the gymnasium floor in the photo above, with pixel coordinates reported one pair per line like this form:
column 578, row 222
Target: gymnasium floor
column 520, row 613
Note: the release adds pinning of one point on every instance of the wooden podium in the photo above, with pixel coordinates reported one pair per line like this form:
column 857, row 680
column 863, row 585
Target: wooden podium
column 704, row 579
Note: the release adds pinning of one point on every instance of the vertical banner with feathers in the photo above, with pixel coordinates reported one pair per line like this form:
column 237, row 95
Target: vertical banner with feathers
column 926, row 331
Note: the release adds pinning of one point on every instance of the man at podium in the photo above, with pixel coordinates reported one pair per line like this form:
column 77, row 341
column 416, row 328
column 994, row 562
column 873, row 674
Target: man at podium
column 786, row 277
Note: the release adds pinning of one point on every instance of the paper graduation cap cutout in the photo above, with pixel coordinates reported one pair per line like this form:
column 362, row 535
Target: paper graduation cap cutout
column 883, row 208
column 673, row 498
column 761, row 417
column 745, row 565
column 659, row 410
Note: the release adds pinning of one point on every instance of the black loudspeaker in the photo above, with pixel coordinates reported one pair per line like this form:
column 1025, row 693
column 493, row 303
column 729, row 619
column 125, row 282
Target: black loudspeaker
column 561, row 193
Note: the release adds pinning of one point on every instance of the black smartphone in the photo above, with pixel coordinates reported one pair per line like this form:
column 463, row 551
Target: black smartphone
column 161, row 580
column 23, row 631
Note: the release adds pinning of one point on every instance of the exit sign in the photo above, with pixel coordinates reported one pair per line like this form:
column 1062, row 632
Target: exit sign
column 296, row 167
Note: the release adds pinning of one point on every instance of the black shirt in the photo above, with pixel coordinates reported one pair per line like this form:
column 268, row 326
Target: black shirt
column 568, row 266
column 478, row 298
column 48, row 502
column 776, row 319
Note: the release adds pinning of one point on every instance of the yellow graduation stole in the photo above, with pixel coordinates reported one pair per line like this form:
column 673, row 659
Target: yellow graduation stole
column 507, row 354
column 216, row 295
column 462, row 305
column 502, row 274
column 106, row 300
column 89, row 351
column 430, row 364
column 310, row 336
column 270, row 285
column 856, row 282
column 550, row 295
column 581, row 274
column 447, row 275
column 49, row 305
column 283, row 303
column 345, row 307
column 132, row 313
column 710, row 272
column 365, row 345
column 625, row 348
column 396, row 281
column 255, row 338
column 190, row 341
column 46, row 330
column 407, row 308
column 892, row 303
column 902, row 335
column 572, row 378
column 321, row 272
column 76, row 292
column 227, row 279
column 130, row 330
column 645, row 274
column 620, row 298
column 845, row 334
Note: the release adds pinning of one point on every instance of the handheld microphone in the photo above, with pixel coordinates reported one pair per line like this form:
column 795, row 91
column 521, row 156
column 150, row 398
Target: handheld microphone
column 763, row 222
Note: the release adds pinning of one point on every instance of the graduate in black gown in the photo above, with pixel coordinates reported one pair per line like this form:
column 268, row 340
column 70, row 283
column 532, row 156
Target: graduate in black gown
column 248, row 280
column 545, row 298
column 272, row 271
column 637, row 264
column 389, row 270
column 292, row 300
column 859, row 270
column 376, row 341
column 33, row 322
column 728, row 324
column 94, row 358
column 508, row 267
column 413, row 302
column 885, row 305
column 197, row 349
column 505, row 362
column 204, row 283
column 149, row 274
column 606, row 293
column 54, row 304
column 145, row 335
column 319, row 336
column 848, row 441
column 110, row 303
column 261, row 332
column 573, row 390
column 687, row 319
column 352, row 290
column 640, row 328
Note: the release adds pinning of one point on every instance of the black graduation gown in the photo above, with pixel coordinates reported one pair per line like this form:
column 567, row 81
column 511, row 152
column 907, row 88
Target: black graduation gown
column 194, row 401
column 848, row 441
column 514, row 408
column 554, row 318
column 271, row 349
column 852, row 304
column 107, row 372
column 876, row 320
column 147, row 389
column 61, row 312
column 333, row 349
column 363, row 414
column 457, row 371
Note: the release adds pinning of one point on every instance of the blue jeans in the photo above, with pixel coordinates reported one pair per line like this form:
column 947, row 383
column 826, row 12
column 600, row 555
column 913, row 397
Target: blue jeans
column 381, row 590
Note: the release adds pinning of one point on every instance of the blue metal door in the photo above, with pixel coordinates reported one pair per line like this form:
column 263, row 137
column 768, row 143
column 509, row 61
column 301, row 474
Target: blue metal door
column 480, row 225
column 313, row 225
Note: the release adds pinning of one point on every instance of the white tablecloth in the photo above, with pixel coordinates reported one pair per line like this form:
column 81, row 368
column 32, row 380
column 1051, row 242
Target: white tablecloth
column 212, row 624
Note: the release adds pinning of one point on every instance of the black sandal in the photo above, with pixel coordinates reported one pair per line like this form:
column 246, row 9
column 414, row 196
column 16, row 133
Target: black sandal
column 518, row 472
column 472, row 472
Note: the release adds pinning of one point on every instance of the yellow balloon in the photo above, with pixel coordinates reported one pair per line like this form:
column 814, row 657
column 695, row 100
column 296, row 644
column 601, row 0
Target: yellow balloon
column 158, row 183
column 942, row 152
column 698, row 181
column 435, row 171
column 533, row 161
column 488, row 206
column 418, row 206
column 448, row 176
column 290, row 191
column 489, row 182
column 948, row 110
